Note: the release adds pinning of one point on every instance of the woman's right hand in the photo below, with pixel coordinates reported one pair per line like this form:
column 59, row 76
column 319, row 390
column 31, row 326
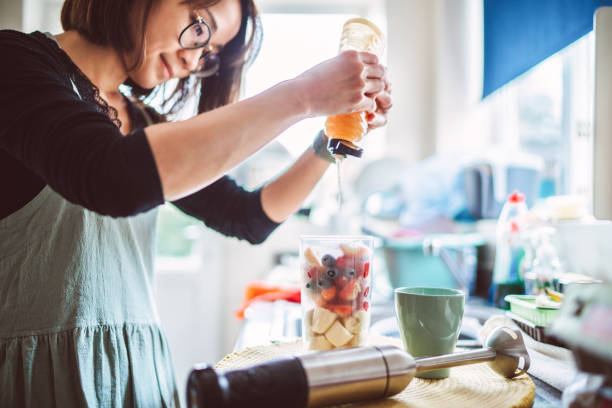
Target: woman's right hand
column 346, row 83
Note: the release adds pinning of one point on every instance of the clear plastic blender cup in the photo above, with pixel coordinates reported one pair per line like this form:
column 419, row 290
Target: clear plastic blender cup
column 336, row 275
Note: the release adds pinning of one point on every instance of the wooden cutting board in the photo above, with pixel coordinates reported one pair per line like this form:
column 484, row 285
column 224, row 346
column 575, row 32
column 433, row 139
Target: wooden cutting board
column 468, row 386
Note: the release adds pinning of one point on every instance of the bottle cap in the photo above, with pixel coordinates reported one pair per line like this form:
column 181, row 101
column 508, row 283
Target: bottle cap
column 362, row 35
column 343, row 148
column 516, row 197
column 365, row 22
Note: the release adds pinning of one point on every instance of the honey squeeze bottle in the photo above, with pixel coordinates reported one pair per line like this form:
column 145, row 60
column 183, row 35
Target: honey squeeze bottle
column 346, row 131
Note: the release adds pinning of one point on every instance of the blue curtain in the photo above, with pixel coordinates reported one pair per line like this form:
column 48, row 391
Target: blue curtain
column 518, row 34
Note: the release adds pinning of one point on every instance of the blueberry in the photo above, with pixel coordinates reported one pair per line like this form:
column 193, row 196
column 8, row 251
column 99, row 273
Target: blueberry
column 328, row 260
column 310, row 285
column 349, row 272
column 332, row 273
column 325, row 283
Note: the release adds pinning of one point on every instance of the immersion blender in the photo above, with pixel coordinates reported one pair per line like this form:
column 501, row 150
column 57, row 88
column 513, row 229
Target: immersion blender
column 323, row 378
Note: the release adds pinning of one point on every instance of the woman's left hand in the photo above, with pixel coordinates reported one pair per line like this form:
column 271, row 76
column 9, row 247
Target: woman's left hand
column 384, row 102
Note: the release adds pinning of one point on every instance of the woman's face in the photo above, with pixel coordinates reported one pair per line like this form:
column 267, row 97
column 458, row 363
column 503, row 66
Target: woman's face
column 164, row 57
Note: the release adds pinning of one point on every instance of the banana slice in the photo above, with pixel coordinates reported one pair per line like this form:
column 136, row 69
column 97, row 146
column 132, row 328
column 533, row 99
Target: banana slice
column 357, row 340
column 319, row 342
column 322, row 319
column 355, row 251
column 357, row 322
column 308, row 320
column 311, row 258
column 338, row 335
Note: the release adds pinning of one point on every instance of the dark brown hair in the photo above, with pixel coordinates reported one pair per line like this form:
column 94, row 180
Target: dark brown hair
column 121, row 25
column 224, row 88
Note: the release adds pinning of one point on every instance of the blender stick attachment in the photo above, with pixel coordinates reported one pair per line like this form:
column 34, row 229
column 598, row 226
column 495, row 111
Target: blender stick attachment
column 324, row 378
column 454, row 360
column 505, row 352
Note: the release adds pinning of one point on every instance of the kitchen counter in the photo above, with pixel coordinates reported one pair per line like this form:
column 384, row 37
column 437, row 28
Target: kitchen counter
column 280, row 320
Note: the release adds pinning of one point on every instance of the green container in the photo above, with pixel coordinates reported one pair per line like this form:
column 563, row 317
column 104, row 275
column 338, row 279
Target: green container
column 525, row 306
column 409, row 265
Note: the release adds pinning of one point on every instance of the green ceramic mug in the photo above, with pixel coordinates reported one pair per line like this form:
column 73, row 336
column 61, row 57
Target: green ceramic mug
column 429, row 320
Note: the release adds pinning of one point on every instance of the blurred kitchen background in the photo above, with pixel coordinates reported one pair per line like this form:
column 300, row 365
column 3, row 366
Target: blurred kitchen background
column 444, row 164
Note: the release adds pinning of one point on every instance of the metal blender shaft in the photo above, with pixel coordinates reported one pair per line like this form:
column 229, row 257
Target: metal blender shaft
column 454, row 360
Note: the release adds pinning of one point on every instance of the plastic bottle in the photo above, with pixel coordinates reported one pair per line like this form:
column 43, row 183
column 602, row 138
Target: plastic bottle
column 546, row 264
column 508, row 251
column 344, row 131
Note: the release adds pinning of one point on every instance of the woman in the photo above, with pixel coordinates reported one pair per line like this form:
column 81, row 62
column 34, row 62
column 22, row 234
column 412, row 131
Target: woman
column 82, row 168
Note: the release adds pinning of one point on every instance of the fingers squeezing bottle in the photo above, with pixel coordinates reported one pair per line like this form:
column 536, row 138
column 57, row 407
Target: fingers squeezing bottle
column 336, row 276
column 344, row 131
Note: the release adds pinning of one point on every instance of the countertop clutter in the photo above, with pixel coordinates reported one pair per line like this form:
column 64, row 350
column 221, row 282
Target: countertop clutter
column 468, row 386
column 567, row 328
column 280, row 323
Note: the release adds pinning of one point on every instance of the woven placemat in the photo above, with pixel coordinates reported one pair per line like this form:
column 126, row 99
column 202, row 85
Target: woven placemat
column 468, row 386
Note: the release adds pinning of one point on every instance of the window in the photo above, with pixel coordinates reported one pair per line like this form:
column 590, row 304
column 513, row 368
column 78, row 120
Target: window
column 293, row 43
column 548, row 112
column 539, row 98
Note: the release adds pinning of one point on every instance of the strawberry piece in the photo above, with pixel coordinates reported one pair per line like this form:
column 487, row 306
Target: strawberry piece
column 359, row 301
column 350, row 291
column 360, row 269
column 344, row 262
column 366, row 292
column 366, row 270
column 342, row 310
column 366, row 305
column 341, row 281
column 321, row 302
column 329, row 294
column 313, row 272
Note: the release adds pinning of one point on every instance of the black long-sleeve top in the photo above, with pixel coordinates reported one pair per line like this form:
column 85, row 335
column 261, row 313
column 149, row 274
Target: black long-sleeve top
column 54, row 131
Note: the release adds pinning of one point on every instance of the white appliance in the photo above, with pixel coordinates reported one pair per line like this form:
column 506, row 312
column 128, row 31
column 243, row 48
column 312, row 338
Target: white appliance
column 584, row 247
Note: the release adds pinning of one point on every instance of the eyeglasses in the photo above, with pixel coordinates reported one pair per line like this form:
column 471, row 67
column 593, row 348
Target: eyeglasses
column 195, row 36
